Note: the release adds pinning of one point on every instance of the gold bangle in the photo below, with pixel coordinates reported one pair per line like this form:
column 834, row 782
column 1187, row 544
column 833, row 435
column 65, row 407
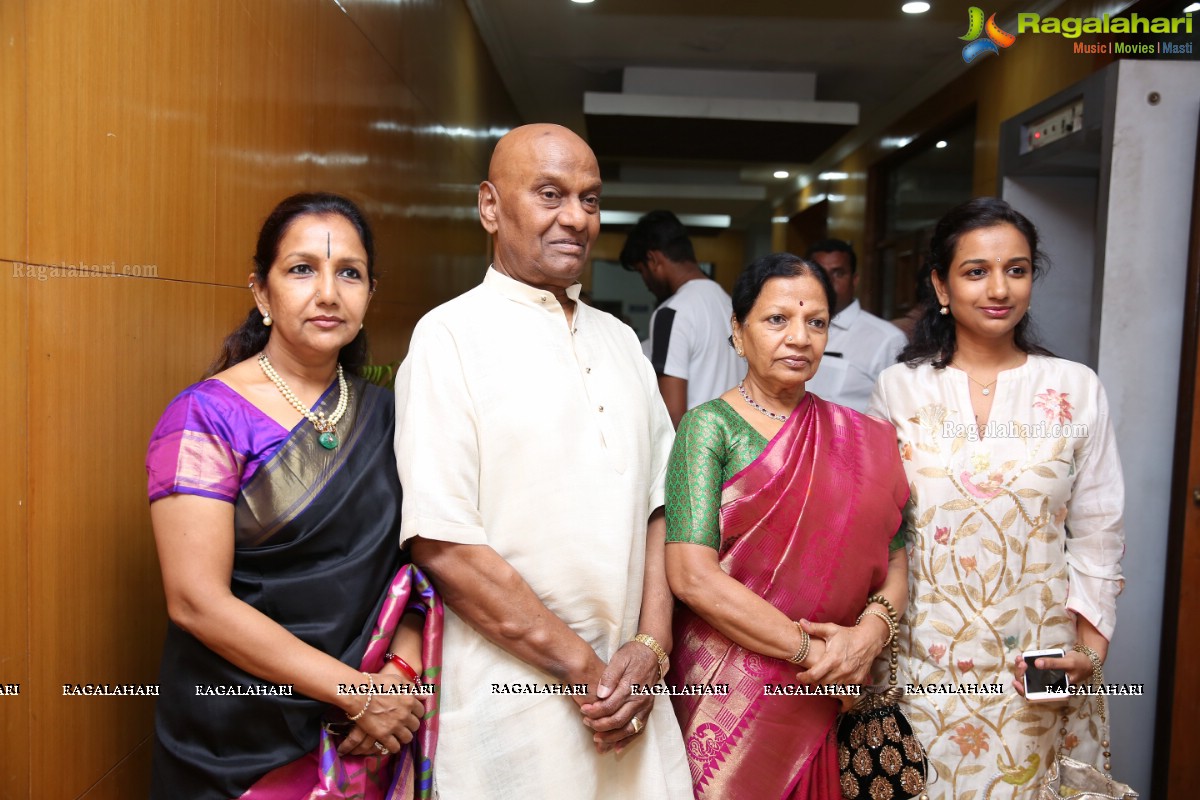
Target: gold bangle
column 891, row 625
column 370, row 694
column 653, row 644
column 664, row 663
column 805, row 642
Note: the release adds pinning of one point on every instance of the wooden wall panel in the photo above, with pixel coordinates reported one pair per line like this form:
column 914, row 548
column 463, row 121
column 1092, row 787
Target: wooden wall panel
column 364, row 144
column 14, row 535
column 1179, row 780
column 439, row 129
column 120, row 171
column 463, row 98
column 263, row 123
column 129, row 779
column 14, row 341
column 429, row 241
column 109, row 354
column 165, row 134
column 12, row 130
column 389, row 325
column 452, row 243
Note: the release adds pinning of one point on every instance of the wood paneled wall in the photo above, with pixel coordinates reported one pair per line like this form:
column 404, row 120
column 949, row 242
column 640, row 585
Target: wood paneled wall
column 151, row 139
column 14, row 363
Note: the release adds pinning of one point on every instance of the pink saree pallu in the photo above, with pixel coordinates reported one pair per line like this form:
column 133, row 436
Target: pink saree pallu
column 408, row 774
column 807, row 527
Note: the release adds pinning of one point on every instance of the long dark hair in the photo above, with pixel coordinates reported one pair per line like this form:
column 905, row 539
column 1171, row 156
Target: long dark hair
column 933, row 338
column 251, row 336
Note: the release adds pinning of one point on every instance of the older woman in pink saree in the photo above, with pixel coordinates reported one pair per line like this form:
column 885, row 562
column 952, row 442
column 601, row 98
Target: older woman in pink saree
column 783, row 512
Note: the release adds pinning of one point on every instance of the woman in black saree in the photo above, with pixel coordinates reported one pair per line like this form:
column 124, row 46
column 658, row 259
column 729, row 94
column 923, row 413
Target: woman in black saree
column 296, row 629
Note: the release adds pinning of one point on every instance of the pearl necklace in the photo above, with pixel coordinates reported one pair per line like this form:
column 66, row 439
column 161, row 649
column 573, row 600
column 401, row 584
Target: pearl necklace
column 326, row 425
column 771, row 414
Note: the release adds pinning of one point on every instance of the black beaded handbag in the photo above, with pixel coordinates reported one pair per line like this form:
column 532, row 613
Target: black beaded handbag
column 879, row 756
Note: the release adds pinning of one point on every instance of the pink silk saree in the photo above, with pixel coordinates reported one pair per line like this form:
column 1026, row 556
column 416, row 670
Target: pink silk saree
column 399, row 776
column 806, row 526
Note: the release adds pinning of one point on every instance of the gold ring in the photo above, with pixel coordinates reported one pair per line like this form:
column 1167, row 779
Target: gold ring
column 383, row 751
column 637, row 725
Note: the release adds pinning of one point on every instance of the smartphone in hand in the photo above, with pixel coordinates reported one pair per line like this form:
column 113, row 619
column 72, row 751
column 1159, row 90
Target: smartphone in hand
column 1044, row 684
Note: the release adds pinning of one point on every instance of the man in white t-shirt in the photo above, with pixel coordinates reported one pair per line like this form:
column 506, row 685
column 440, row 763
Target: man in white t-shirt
column 689, row 331
column 861, row 345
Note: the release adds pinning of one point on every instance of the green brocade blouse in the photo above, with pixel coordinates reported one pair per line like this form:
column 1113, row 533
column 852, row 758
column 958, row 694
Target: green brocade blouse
column 713, row 444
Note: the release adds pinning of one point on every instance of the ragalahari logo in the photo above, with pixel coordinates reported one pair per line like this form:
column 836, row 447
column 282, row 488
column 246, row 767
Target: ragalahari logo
column 996, row 37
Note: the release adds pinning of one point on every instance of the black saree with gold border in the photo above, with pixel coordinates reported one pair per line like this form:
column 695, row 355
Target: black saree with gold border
column 316, row 548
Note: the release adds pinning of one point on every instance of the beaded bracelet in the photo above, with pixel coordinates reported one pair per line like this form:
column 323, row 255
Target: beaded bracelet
column 805, row 642
column 894, row 617
column 883, row 601
column 366, row 705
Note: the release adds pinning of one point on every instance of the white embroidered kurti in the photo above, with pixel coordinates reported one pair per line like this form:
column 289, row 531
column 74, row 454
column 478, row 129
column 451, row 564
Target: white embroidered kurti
column 1011, row 536
column 550, row 445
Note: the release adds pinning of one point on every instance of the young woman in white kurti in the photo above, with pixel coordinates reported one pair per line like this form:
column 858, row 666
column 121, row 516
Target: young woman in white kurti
column 1015, row 515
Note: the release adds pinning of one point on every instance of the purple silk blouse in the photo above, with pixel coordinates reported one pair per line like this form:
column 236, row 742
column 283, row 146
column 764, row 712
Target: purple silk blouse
column 209, row 442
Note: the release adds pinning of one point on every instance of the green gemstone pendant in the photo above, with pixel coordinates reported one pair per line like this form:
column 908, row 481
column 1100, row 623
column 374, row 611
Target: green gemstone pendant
column 328, row 440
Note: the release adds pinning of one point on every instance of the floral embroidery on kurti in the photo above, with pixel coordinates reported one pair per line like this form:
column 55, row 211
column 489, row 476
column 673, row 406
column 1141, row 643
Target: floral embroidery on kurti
column 988, row 567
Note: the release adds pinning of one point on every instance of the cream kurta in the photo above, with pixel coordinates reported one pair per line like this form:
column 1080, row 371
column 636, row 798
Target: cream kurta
column 550, row 445
column 993, row 570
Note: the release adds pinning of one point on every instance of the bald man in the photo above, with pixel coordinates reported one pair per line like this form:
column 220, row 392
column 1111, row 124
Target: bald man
column 532, row 446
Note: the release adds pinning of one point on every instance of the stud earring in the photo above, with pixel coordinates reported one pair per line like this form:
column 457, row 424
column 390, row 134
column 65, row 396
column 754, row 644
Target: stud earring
column 267, row 321
column 945, row 310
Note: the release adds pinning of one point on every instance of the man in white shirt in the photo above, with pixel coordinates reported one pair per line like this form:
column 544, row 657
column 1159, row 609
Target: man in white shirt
column 532, row 447
column 689, row 332
column 861, row 345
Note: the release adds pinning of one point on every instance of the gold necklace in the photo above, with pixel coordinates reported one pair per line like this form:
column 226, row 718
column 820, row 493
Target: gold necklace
column 987, row 387
column 326, row 425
